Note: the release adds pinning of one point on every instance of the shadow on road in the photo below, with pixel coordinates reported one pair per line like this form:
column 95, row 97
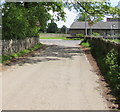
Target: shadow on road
column 48, row 53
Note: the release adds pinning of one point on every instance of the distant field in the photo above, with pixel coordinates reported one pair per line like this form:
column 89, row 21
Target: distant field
column 48, row 33
column 53, row 38
column 64, row 38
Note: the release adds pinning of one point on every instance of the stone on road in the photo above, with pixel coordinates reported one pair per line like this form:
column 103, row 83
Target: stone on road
column 56, row 78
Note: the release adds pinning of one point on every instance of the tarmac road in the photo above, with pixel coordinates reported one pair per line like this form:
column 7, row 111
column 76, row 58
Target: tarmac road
column 56, row 78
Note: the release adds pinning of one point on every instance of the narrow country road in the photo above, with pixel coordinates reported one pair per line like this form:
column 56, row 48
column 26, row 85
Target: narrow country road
column 56, row 78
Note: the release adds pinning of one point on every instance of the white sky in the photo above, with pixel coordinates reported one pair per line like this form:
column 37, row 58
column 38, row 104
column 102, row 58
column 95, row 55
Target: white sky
column 70, row 16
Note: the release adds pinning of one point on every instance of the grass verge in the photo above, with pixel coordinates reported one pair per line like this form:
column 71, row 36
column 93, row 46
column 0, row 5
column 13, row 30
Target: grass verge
column 5, row 58
column 52, row 37
column 85, row 44
column 64, row 38
column 115, row 40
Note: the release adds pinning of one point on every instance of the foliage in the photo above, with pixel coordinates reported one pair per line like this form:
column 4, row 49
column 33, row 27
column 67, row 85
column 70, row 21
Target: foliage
column 53, row 38
column 75, row 39
column 113, row 70
column 63, row 29
column 80, row 35
column 96, row 34
column 52, row 28
column 20, row 18
column 114, row 40
column 14, row 22
column 85, row 44
column 93, row 11
column 108, row 61
column 5, row 58
column 25, row 19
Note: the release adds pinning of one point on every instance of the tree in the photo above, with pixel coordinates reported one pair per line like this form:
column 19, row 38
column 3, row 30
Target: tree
column 118, row 6
column 52, row 28
column 20, row 19
column 64, row 29
column 94, row 10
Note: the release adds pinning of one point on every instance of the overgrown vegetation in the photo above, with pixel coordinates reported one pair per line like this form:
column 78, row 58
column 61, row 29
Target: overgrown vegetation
column 113, row 70
column 108, row 60
column 95, row 34
column 52, row 28
column 85, row 44
column 115, row 40
column 5, row 58
column 80, row 35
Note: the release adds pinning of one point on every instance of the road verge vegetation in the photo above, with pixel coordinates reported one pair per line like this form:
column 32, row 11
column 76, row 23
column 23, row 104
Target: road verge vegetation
column 107, row 56
column 61, row 37
column 52, row 37
column 5, row 58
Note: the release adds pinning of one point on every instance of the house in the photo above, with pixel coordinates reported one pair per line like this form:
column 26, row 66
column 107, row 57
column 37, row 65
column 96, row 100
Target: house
column 110, row 27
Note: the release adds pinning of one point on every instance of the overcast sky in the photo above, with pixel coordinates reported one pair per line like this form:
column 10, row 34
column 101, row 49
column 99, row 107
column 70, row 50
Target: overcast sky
column 70, row 15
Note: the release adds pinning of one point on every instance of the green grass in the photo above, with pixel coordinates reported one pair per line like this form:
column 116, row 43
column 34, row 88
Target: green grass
column 85, row 44
column 74, row 39
column 5, row 58
column 52, row 37
column 115, row 40
column 49, row 33
column 64, row 38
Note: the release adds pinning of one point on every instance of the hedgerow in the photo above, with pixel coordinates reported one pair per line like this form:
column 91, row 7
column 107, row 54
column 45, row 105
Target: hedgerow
column 107, row 56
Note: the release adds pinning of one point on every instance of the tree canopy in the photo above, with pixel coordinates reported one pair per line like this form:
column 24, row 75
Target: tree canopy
column 64, row 29
column 95, row 11
column 21, row 20
column 25, row 19
column 52, row 28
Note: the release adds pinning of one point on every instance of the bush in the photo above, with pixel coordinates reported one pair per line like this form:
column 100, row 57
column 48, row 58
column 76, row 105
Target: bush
column 113, row 72
column 85, row 44
column 108, row 61
column 80, row 35
column 96, row 34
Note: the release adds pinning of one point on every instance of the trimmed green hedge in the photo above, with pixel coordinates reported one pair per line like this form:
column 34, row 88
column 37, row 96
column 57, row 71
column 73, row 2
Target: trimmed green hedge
column 107, row 55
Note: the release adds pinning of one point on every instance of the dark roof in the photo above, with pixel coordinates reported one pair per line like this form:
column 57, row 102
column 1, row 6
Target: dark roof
column 98, row 25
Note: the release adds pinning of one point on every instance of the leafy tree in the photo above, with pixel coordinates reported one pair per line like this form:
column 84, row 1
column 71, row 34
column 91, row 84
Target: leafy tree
column 118, row 6
column 14, row 22
column 20, row 19
column 64, row 29
column 52, row 28
column 94, row 10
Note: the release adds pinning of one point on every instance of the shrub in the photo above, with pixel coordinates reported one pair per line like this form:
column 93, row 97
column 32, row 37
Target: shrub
column 113, row 72
column 80, row 35
column 108, row 61
column 96, row 34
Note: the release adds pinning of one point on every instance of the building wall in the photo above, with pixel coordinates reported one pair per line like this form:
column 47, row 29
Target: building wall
column 74, row 32
column 103, row 32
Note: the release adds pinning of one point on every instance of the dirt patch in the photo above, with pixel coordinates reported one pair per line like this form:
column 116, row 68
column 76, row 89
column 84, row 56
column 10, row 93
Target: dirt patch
column 104, row 86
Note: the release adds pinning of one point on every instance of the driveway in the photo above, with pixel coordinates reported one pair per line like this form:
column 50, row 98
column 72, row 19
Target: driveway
column 59, row 77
